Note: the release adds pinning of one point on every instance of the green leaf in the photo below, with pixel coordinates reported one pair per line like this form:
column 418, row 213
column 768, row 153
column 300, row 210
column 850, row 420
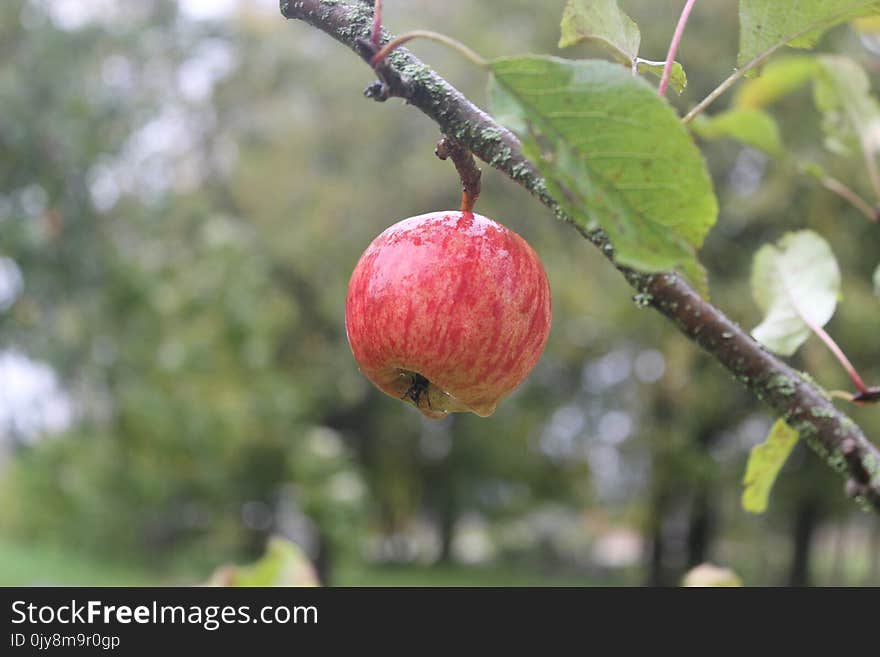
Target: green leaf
column 782, row 76
column 750, row 126
column 600, row 21
column 766, row 24
column 614, row 155
column 795, row 282
column 850, row 114
column 765, row 462
column 877, row 281
column 283, row 564
column 677, row 77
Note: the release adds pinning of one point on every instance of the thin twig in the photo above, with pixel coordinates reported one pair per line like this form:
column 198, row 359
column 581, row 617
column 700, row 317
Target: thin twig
column 395, row 43
column 816, row 328
column 727, row 84
column 673, row 46
column 838, row 354
column 847, row 194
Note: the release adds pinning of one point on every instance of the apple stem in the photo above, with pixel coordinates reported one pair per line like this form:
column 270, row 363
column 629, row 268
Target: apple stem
column 395, row 43
column 467, row 169
column 377, row 23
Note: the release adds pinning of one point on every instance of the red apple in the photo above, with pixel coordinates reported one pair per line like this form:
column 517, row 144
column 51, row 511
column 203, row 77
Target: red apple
column 449, row 311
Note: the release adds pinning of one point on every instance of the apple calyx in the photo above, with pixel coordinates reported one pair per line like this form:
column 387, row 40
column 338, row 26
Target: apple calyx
column 429, row 398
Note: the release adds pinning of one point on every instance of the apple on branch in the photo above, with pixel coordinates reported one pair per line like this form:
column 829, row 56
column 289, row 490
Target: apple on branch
column 449, row 311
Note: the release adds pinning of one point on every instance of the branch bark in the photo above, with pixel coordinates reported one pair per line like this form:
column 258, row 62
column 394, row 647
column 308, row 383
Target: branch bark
column 791, row 394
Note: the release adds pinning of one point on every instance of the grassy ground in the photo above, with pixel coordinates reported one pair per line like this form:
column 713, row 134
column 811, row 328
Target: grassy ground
column 36, row 565
column 454, row 575
column 31, row 565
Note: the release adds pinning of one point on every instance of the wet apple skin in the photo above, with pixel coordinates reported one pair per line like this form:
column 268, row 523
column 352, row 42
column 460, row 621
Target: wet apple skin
column 455, row 297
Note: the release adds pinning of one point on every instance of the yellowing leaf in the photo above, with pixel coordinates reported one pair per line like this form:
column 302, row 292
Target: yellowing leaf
column 753, row 127
column 782, row 76
column 677, row 77
column 283, row 564
column 796, row 282
column 765, row 462
column 867, row 25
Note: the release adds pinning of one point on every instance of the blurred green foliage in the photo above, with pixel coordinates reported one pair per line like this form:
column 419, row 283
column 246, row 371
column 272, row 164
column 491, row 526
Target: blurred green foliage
column 185, row 200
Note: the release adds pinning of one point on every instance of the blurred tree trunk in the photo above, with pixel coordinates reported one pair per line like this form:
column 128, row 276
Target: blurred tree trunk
column 448, row 518
column 324, row 561
column 700, row 527
column 658, row 574
column 663, row 476
column 674, row 481
column 805, row 522
column 442, row 501
column 703, row 514
column 441, row 482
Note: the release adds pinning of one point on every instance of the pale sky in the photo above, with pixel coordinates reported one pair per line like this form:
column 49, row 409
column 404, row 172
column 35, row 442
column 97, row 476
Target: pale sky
column 32, row 402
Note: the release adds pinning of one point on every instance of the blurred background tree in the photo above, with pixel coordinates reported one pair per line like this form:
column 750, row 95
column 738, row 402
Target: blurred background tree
column 185, row 188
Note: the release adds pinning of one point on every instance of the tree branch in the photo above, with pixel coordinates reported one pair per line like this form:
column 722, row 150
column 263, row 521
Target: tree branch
column 833, row 435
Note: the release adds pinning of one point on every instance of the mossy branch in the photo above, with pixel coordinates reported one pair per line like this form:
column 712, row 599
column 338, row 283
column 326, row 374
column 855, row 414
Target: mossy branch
column 831, row 433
